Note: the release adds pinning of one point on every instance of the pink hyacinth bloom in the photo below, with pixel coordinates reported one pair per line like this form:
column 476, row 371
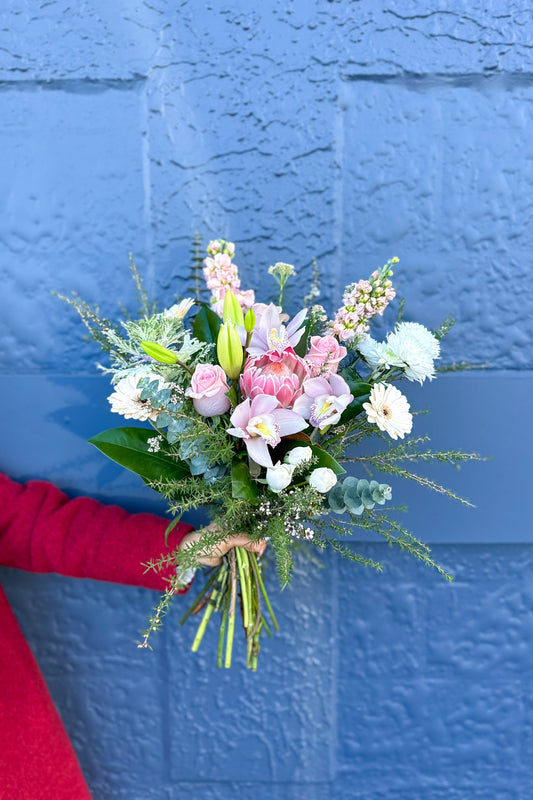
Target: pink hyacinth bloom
column 270, row 334
column 260, row 423
column 279, row 375
column 323, row 401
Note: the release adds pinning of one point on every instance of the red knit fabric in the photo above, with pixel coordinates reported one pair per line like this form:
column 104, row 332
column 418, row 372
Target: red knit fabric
column 41, row 530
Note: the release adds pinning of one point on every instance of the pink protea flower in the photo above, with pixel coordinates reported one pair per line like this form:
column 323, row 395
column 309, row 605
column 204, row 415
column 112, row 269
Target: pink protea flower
column 279, row 375
column 260, row 423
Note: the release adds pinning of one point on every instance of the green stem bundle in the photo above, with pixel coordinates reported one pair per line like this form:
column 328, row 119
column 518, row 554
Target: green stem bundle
column 238, row 574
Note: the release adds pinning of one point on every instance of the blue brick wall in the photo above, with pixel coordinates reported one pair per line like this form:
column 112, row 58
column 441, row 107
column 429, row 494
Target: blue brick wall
column 349, row 131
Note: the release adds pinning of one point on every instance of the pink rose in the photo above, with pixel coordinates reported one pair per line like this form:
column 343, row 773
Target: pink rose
column 324, row 354
column 208, row 390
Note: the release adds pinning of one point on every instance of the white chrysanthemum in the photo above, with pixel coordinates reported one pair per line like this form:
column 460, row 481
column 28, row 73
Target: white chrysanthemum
column 417, row 348
column 389, row 410
column 178, row 310
column 378, row 354
column 126, row 399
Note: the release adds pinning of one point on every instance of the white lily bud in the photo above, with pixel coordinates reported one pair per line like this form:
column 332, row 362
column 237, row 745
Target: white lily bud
column 279, row 476
column 299, row 455
column 322, row 479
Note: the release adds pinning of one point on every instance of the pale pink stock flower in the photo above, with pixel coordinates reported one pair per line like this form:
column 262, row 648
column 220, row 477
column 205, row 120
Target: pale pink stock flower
column 260, row 423
column 324, row 354
column 245, row 300
column 323, row 401
column 208, row 390
column 270, row 334
column 221, row 274
column 362, row 301
column 220, row 271
column 279, row 375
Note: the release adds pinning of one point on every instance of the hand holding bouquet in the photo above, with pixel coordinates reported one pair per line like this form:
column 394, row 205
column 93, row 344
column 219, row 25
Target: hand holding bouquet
column 253, row 414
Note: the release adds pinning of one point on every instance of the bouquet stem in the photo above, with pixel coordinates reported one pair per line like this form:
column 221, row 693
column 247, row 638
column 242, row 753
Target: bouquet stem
column 239, row 573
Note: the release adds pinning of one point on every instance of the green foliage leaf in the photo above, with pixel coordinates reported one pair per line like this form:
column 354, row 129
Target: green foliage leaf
column 242, row 485
column 206, row 325
column 301, row 347
column 325, row 460
column 129, row 448
column 361, row 394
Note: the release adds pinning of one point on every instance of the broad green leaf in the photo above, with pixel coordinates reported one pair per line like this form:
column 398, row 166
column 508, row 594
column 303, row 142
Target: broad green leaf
column 325, row 460
column 129, row 448
column 301, row 347
column 206, row 324
column 242, row 485
column 361, row 394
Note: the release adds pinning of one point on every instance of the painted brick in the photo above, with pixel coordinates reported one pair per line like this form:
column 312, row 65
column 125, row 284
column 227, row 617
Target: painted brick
column 345, row 131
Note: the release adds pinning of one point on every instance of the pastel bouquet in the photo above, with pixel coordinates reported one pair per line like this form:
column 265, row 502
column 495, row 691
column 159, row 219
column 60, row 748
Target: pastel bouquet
column 254, row 415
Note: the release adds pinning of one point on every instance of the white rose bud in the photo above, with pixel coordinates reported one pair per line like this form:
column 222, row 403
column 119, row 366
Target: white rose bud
column 322, row 479
column 279, row 476
column 298, row 455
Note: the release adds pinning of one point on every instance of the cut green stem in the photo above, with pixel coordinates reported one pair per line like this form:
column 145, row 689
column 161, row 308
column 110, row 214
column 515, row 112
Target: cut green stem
column 263, row 592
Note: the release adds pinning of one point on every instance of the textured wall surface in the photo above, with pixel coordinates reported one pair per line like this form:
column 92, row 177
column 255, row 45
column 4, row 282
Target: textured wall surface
column 349, row 131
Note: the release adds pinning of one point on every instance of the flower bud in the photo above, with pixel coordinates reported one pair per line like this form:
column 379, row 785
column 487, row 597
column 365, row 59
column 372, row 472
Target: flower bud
column 249, row 320
column 299, row 455
column 229, row 350
column 279, row 476
column 322, row 479
column 232, row 311
column 159, row 353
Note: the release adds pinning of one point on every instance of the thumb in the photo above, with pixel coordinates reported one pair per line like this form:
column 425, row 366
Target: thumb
column 241, row 540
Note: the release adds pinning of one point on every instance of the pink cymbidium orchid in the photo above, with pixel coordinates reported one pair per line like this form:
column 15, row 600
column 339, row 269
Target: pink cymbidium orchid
column 260, row 423
column 323, row 401
column 270, row 334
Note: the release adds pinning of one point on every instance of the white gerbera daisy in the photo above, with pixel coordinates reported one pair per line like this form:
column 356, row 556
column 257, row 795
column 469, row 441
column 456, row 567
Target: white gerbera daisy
column 389, row 410
column 178, row 310
column 126, row 399
column 417, row 348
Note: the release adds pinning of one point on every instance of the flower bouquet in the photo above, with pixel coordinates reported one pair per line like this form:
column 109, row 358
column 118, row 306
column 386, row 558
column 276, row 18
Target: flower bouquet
column 254, row 415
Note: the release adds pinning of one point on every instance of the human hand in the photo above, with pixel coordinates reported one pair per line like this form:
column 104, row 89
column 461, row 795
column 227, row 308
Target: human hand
column 213, row 554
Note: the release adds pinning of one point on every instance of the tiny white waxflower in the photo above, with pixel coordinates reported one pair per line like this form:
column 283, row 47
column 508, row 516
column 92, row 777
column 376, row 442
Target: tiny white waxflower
column 154, row 444
column 178, row 310
column 279, row 476
column 389, row 410
column 298, row 456
column 322, row 479
column 417, row 348
column 126, row 399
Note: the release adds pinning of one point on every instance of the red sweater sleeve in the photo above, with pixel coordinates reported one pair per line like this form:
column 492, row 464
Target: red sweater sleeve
column 42, row 530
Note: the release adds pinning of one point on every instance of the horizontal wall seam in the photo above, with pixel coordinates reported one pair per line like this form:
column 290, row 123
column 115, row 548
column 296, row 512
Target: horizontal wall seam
column 417, row 80
column 74, row 85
